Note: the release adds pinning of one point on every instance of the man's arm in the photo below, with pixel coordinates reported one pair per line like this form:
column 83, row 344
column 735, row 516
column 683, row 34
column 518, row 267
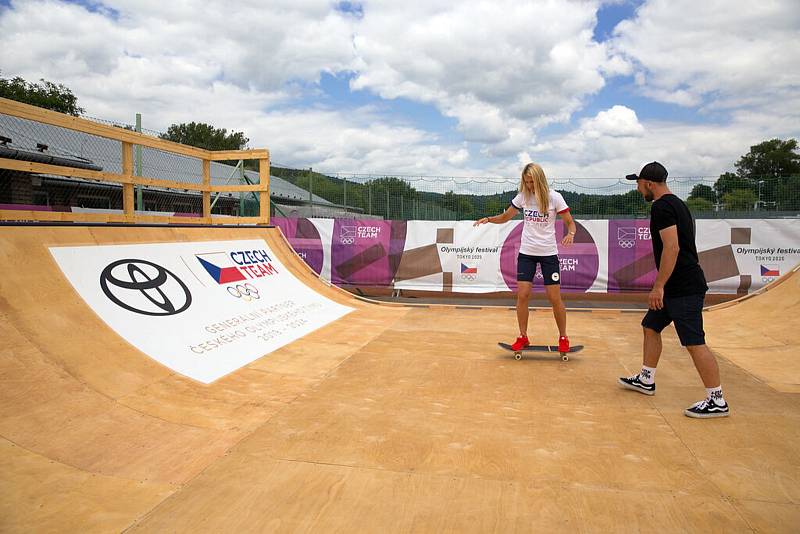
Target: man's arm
column 669, row 257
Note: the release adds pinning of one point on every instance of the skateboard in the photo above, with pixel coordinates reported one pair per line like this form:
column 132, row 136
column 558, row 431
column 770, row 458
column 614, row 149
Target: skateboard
column 540, row 348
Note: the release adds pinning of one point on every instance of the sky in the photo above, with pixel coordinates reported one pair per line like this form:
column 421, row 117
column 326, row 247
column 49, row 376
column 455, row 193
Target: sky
column 587, row 89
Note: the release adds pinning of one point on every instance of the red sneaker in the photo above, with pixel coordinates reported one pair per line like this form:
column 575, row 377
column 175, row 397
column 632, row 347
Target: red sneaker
column 520, row 343
column 563, row 344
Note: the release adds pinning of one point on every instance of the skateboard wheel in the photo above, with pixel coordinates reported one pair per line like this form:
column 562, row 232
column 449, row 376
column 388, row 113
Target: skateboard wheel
column 517, row 355
column 564, row 358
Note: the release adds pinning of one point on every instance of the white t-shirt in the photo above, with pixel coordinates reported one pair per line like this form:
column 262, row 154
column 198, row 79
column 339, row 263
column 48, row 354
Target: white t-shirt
column 539, row 231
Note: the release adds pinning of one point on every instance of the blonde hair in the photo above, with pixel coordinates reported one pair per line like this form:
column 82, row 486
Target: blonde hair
column 541, row 191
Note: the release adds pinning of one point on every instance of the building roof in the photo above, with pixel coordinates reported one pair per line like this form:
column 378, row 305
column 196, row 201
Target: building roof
column 107, row 154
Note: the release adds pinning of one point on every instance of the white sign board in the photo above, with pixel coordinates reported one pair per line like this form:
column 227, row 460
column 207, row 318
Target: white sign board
column 202, row 309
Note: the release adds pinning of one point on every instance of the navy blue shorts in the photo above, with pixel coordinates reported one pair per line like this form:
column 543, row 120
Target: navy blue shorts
column 526, row 268
column 687, row 314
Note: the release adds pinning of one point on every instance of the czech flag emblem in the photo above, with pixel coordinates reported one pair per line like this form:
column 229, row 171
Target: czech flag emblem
column 770, row 271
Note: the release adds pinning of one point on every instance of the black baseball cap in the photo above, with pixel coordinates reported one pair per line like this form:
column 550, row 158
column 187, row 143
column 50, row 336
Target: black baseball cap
column 653, row 171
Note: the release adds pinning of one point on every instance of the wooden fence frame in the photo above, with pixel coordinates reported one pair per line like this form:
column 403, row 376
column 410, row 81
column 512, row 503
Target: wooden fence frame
column 129, row 139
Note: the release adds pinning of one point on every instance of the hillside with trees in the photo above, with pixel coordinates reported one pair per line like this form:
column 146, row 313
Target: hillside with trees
column 766, row 178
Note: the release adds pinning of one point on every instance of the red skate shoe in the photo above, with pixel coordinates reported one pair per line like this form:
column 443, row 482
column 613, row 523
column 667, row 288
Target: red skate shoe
column 520, row 343
column 563, row 344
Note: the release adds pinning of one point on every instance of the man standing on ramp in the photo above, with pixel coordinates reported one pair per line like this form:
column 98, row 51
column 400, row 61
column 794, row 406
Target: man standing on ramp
column 677, row 295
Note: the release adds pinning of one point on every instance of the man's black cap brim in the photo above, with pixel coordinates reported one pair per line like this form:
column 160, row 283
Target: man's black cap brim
column 631, row 177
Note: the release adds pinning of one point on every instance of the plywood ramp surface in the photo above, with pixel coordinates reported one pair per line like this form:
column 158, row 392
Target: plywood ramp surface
column 394, row 419
column 760, row 333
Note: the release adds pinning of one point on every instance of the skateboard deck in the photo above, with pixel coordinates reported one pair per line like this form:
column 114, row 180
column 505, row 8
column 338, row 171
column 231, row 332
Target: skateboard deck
column 540, row 348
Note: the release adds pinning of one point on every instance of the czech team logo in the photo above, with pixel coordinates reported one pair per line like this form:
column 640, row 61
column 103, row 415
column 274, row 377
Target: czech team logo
column 214, row 264
column 228, row 267
column 626, row 236
column 347, row 235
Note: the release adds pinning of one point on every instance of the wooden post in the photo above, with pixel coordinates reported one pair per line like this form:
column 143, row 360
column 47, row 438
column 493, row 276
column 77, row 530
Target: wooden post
column 206, row 193
column 127, row 189
column 263, row 195
column 138, row 166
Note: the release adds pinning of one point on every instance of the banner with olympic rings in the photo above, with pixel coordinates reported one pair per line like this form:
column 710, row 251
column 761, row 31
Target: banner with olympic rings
column 201, row 309
column 737, row 255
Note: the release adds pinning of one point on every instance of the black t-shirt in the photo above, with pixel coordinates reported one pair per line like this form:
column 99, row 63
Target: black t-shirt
column 688, row 277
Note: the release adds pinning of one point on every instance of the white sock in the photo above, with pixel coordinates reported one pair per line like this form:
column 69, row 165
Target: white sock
column 715, row 394
column 647, row 375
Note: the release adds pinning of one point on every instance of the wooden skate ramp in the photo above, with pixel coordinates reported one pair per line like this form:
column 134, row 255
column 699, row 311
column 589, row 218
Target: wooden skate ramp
column 759, row 333
column 394, row 418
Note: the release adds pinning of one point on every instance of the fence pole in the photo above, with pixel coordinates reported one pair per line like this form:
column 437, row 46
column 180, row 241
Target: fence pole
column 207, row 194
column 263, row 194
column 127, row 189
column 345, row 194
column 387, row 202
column 241, row 195
column 311, row 191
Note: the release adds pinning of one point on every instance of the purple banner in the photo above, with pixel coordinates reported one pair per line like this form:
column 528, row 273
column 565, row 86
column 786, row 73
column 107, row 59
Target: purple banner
column 579, row 262
column 304, row 238
column 366, row 252
column 631, row 266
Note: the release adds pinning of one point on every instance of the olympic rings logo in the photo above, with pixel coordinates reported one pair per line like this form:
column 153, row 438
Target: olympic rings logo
column 627, row 243
column 347, row 240
column 246, row 292
column 470, row 277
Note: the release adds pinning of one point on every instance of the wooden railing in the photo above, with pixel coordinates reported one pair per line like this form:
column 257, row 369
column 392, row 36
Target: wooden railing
column 129, row 139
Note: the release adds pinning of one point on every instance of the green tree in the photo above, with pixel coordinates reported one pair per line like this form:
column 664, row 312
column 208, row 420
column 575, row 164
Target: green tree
column 702, row 191
column 632, row 203
column 763, row 170
column 202, row 135
column 43, row 94
column 739, row 200
column 729, row 182
column 789, row 194
column 464, row 207
column 773, row 158
column 495, row 206
column 699, row 204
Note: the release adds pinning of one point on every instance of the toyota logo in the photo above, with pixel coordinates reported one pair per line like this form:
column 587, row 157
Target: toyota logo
column 143, row 287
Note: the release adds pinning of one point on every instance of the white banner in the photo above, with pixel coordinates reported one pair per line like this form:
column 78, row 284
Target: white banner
column 609, row 255
column 743, row 255
column 202, row 309
column 452, row 256
column 459, row 257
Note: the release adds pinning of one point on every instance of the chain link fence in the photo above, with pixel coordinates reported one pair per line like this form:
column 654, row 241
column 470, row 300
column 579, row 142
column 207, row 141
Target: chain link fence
column 308, row 193
column 402, row 197
column 27, row 140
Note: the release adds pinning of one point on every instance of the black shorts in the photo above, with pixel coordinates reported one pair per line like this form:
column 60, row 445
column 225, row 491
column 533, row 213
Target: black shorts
column 526, row 268
column 687, row 314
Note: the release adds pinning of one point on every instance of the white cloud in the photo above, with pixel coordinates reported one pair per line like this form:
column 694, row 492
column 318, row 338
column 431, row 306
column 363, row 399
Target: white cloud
column 615, row 143
column 716, row 51
column 502, row 70
column 487, row 64
column 619, row 121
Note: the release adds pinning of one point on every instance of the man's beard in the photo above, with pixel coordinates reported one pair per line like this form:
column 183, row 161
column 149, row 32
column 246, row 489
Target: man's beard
column 648, row 196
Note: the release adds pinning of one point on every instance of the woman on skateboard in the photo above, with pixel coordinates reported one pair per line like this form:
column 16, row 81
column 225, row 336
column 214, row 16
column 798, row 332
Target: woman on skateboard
column 538, row 246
